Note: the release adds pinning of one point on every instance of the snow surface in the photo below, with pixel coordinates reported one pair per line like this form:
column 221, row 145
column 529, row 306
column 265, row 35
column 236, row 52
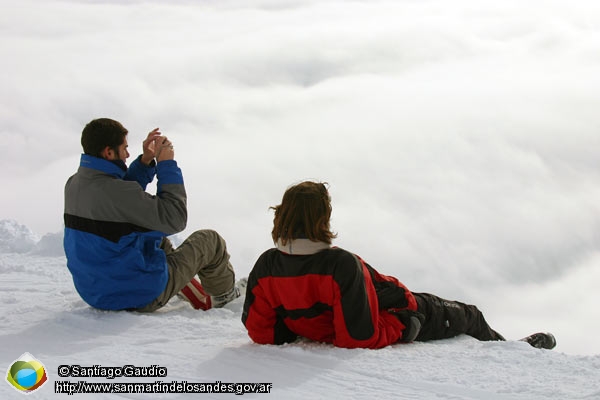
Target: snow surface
column 43, row 315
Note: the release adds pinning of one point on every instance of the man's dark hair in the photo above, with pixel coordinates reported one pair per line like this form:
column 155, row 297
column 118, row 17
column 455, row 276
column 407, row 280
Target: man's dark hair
column 304, row 212
column 100, row 133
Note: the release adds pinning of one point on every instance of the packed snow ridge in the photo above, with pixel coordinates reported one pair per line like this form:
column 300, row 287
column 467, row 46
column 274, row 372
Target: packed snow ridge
column 17, row 238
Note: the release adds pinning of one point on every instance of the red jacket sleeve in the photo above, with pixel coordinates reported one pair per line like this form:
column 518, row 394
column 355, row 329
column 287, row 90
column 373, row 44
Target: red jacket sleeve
column 259, row 317
column 358, row 322
column 391, row 293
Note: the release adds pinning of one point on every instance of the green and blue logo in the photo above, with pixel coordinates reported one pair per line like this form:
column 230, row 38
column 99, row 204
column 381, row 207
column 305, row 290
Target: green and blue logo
column 26, row 374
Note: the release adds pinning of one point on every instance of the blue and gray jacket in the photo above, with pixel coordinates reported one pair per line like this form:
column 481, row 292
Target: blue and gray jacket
column 113, row 230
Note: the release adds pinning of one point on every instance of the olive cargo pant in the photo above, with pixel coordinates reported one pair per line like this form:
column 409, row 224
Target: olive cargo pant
column 445, row 319
column 203, row 253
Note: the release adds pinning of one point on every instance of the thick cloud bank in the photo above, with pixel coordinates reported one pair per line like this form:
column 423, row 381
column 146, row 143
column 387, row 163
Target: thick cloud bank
column 459, row 138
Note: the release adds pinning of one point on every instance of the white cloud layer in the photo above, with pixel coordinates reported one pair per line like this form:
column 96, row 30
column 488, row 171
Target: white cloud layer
column 459, row 138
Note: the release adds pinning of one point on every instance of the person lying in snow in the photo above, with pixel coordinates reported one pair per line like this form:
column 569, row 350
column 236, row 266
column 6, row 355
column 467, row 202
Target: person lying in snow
column 305, row 287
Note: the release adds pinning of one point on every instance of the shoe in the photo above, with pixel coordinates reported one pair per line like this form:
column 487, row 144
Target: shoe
column 242, row 284
column 194, row 293
column 541, row 340
column 235, row 292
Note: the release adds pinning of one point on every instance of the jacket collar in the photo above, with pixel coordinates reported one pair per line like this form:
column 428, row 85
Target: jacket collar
column 301, row 247
column 106, row 166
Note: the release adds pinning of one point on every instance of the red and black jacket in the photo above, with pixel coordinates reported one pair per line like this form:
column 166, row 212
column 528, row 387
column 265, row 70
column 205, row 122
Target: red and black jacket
column 327, row 295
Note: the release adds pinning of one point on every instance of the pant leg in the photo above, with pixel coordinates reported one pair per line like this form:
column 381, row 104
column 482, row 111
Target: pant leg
column 203, row 253
column 445, row 319
column 166, row 245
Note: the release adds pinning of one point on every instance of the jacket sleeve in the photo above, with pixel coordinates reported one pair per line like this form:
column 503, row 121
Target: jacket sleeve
column 260, row 319
column 391, row 293
column 126, row 201
column 141, row 173
column 358, row 321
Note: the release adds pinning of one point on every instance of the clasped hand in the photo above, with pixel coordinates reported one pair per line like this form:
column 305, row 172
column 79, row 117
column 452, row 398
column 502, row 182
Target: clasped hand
column 157, row 146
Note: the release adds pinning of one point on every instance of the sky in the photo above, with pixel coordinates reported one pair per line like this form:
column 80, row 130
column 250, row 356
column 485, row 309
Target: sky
column 458, row 138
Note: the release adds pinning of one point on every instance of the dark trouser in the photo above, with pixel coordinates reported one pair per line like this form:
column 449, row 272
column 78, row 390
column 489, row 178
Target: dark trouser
column 445, row 319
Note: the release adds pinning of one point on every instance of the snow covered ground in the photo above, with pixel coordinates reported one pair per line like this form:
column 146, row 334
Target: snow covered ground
column 42, row 314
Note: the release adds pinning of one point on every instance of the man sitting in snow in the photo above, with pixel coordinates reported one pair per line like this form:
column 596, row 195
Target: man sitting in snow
column 305, row 287
column 115, row 233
